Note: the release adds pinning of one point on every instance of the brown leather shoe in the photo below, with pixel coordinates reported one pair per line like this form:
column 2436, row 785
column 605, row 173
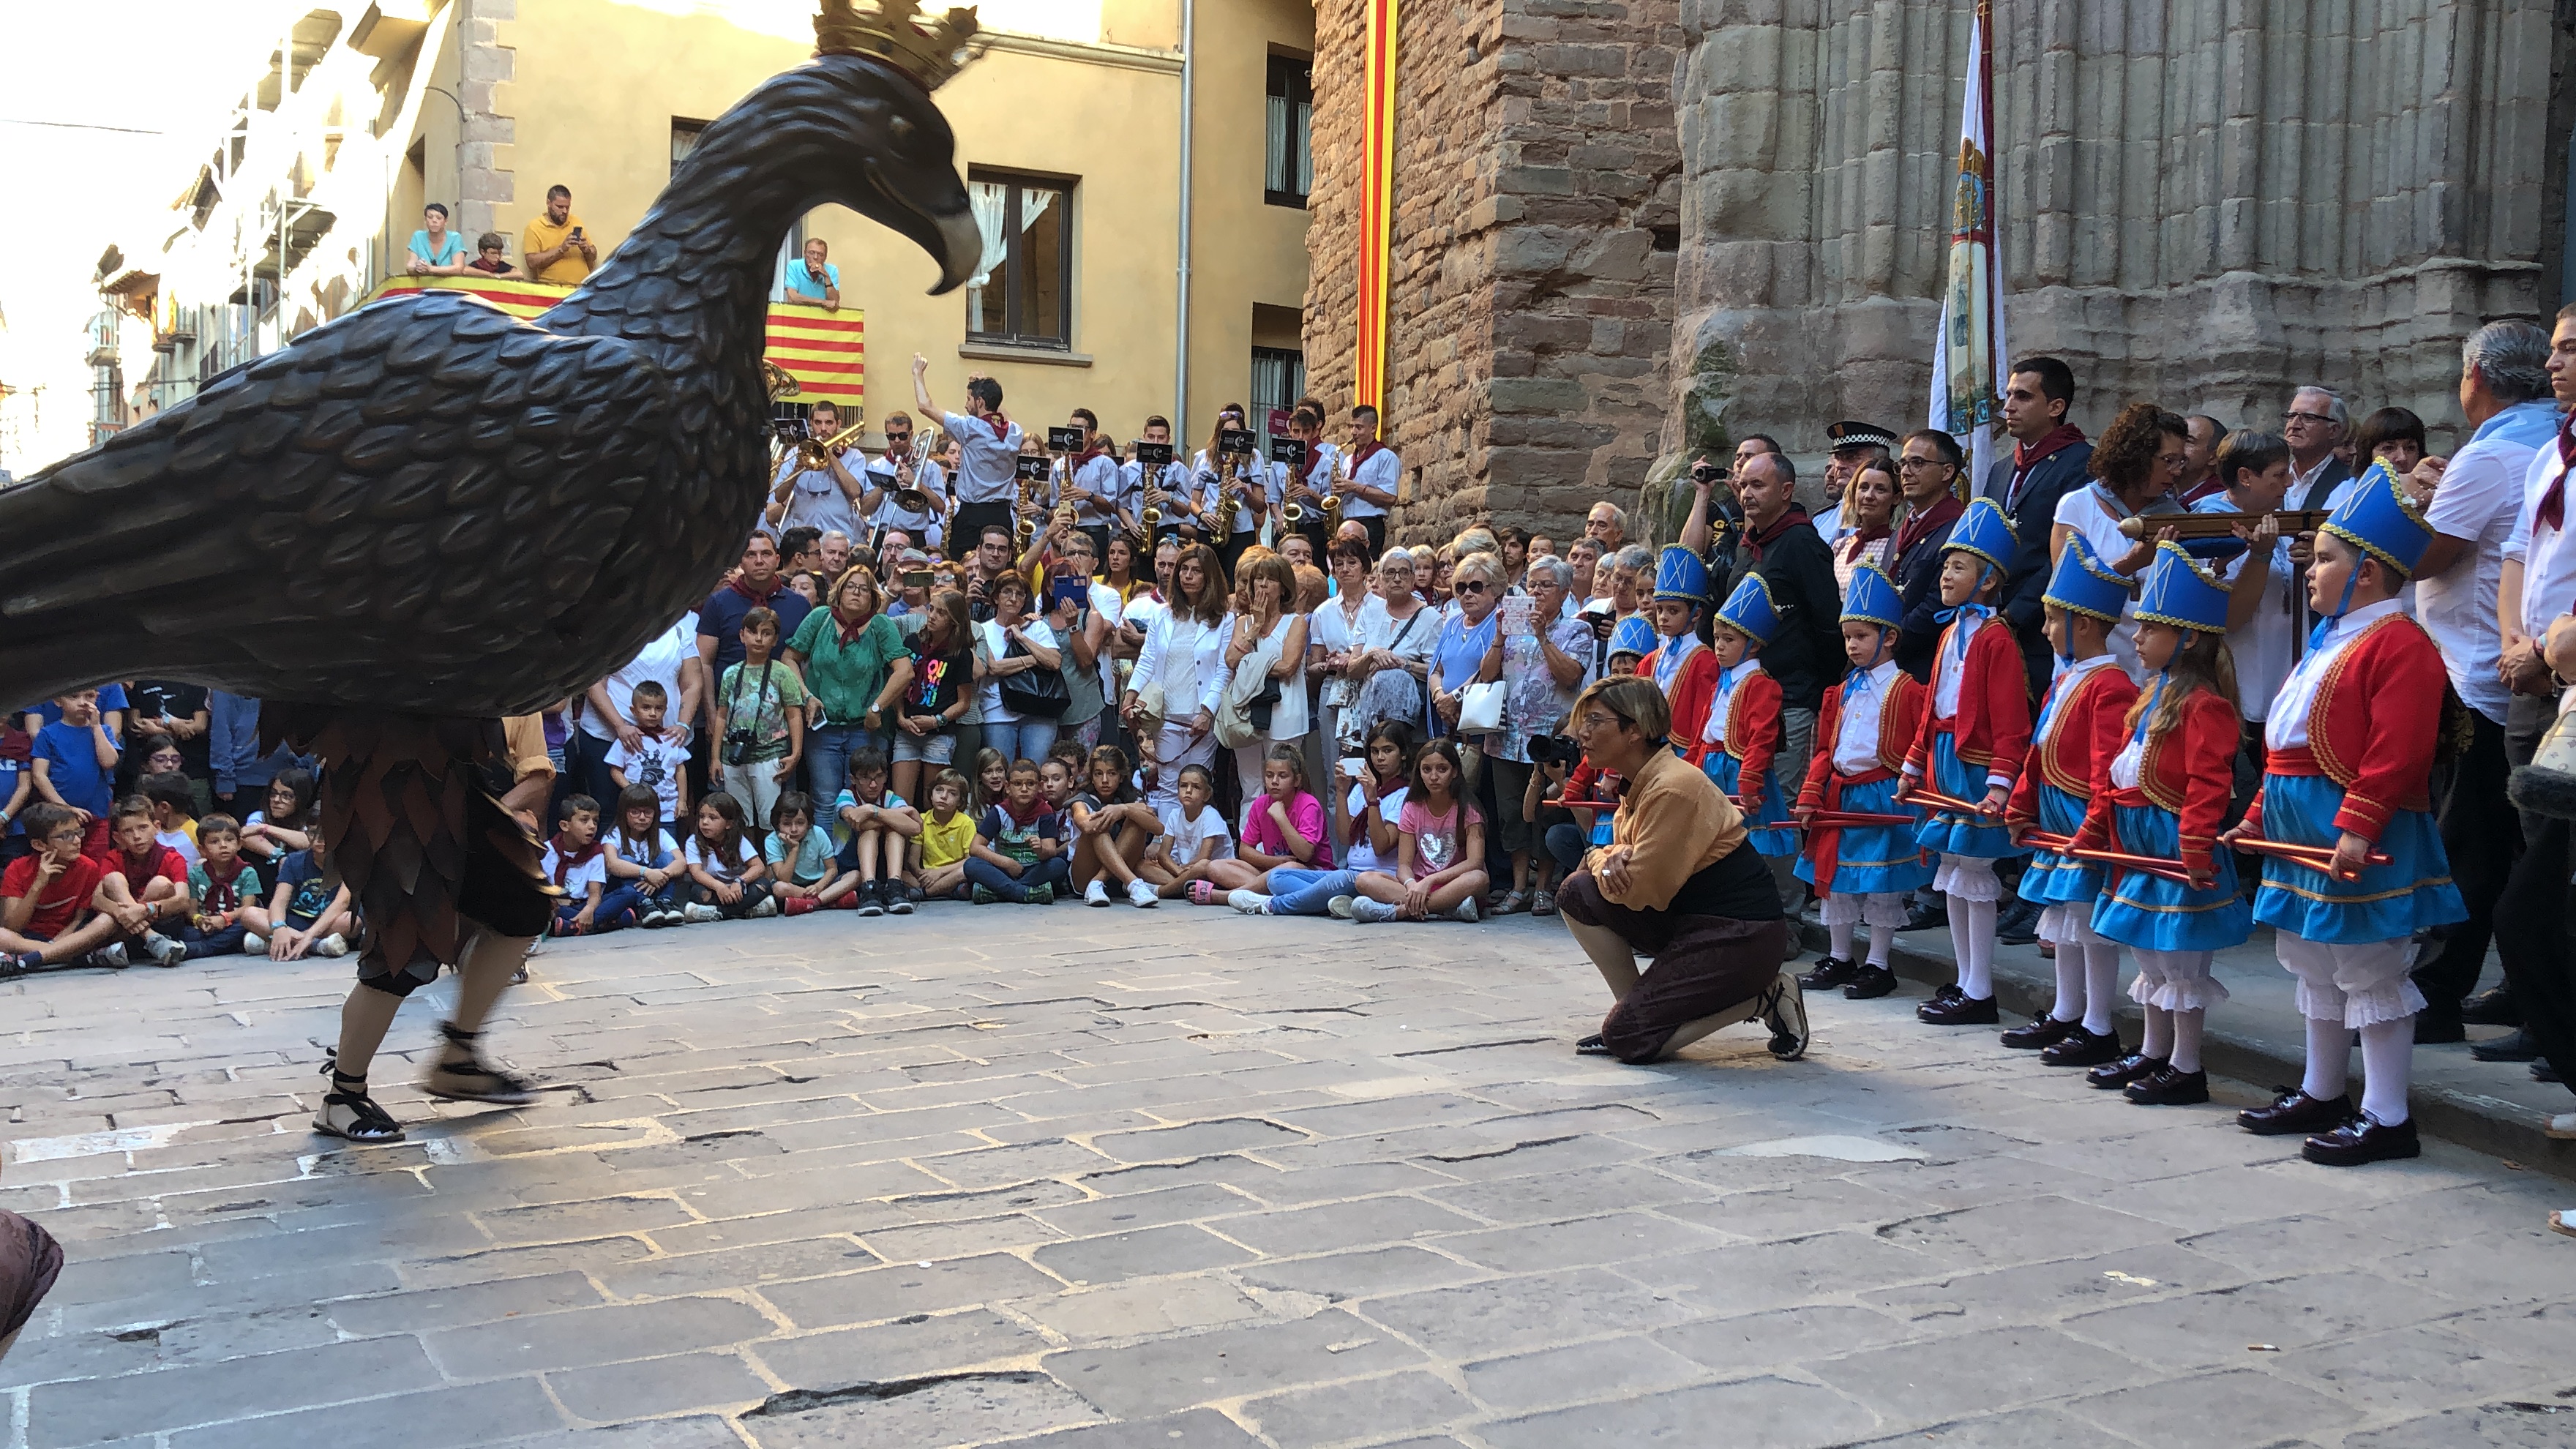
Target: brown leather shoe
column 2169, row 1088
column 1830, row 972
column 2295, row 1111
column 1960, row 1011
column 1872, row 983
column 2043, row 1031
column 2122, row 1072
column 2362, row 1140
column 2081, row 1048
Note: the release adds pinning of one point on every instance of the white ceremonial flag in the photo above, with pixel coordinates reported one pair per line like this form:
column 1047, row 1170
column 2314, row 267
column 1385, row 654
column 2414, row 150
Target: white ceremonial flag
column 1968, row 359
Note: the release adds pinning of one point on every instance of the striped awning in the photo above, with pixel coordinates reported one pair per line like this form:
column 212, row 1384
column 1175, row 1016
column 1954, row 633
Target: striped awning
column 826, row 352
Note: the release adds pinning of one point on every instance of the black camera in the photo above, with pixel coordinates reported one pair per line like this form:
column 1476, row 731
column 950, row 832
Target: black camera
column 1029, row 467
column 1554, row 750
column 1154, row 455
column 1064, row 440
column 1235, row 440
column 1707, row 473
column 1287, row 450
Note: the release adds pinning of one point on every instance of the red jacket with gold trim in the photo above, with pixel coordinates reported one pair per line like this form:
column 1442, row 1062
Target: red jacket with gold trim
column 2377, row 717
column 1691, row 696
column 2084, row 728
column 1752, row 733
column 2188, row 770
column 1992, row 728
column 1900, row 720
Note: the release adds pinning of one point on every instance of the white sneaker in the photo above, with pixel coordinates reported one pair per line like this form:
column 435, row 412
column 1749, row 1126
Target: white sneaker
column 1096, row 893
column 111, row 956
column 1466, row 911
column 1143, row 895
column 2562, row 1127
column 1339, row 907
column 331, row 945
column 2563, row 1221
column 767, row 907
column 254, row 945
column 163, row 950
column 1364, row 909
column 700, row 912
column 1251, row 903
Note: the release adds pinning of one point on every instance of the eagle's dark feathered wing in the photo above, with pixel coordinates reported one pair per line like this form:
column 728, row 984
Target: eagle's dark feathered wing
column 302, row 528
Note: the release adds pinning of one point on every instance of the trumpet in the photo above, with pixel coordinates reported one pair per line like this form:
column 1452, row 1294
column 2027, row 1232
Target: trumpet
column 815, row 454
column 2220, row 525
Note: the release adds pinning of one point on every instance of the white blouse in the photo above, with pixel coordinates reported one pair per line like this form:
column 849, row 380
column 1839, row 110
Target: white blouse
column 1187, row 658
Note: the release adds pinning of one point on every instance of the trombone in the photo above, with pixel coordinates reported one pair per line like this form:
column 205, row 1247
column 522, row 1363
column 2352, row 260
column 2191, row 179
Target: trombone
column 813, row 454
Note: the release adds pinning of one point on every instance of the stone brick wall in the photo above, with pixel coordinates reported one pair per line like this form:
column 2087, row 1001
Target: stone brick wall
column 1535, row 227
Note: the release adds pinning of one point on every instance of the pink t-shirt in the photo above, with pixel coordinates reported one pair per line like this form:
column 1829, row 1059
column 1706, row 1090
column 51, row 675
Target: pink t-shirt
column 1436, row 839
column 1261, row 831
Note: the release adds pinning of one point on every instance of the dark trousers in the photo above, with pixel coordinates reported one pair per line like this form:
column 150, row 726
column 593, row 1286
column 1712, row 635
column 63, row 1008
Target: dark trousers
column 1376, row 526
column 2537, row 939
column 2483, row 838
column 1699, row 966
column 1567, row 843
column 968, row 526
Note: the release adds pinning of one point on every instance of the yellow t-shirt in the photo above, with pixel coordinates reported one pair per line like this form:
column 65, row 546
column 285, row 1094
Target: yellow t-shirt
column 543, row 235
column 945, row 844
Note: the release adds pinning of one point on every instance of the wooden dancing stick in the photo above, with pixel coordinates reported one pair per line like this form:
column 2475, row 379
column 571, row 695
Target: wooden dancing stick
column 2155, row 865
column 1845, row 819
column 1926, row 795
column 2319, row 858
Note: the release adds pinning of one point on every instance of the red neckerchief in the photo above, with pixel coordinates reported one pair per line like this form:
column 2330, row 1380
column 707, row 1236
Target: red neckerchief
column 1037, row 811
column 736, row 585
column 2209, row 487
column 568, row 860
column 1920, row 525
column 223, row 884
column 2553, row 504
column 850, row 636
column 2028, row 455
column 1362, row 455
column 1000, row 425
column 16, row 744
column 1759, row 541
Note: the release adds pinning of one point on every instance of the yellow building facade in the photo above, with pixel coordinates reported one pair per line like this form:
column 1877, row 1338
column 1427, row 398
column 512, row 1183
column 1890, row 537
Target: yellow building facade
column 1073, row 124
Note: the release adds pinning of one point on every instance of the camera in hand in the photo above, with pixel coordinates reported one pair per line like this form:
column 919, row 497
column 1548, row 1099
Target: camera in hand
column 1154, row 455
column 1064, row 440
column 1707, row 473
column 1287, row 450
column 1029, row 468
column 1554, row 750
column 1236, row 440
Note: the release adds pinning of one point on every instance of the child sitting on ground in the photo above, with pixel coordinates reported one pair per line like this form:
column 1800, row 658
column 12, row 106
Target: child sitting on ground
column 308, row 915
column 174, row 813
column 730, row 875
column 1194, row 836
column 1019, row 845
column 226, row 890
column 643, row 862
column 1113, row 828
column 656, row 758
column 146, row 885
column 1439, row 851
column 1283, row 829
column 879, row 829
column 802, row 874
column 577, row 864
column 947, row 838
column 45, row 914
column 269, row 836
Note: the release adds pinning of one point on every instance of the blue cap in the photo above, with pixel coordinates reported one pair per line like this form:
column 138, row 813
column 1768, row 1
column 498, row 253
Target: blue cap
column 2376, row 518
column 2177, row 592
column 2083, row 584
column 1873, row 599
column 1749, row 609
column 1634, row 636
column 1985, row 531
column 1681, row 575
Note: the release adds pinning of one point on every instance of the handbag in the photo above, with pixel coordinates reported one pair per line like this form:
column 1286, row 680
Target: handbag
column 2547, row 786
column 1041, row 693
column 1251, row 689
column 1480, row 707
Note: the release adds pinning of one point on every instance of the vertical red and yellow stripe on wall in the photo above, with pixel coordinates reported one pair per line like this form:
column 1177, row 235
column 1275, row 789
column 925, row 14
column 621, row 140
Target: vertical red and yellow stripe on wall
column 1377, row 201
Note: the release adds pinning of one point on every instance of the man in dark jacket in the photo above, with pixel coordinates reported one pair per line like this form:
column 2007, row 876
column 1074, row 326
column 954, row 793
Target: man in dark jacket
column 1806, row 655
column 2049, row 457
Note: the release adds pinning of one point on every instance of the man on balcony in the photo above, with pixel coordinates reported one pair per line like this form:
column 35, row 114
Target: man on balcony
column 813, row 279
column 553, row 247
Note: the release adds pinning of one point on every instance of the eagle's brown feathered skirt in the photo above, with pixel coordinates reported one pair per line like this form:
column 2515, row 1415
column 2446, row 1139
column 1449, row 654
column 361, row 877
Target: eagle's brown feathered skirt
column 410, row 823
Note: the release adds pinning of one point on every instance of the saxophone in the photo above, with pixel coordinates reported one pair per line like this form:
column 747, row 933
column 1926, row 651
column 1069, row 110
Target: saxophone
column 1333, row 500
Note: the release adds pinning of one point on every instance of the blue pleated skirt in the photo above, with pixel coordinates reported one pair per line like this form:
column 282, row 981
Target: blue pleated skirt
column 2411, row 892
column 1950, row 832
column 2155, row 914
column 1872, row 859
column 2053, row 879
column 1724, row 771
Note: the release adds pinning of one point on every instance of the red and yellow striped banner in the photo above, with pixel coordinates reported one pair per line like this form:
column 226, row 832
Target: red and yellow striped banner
column 1377, row 200
column 826, row 352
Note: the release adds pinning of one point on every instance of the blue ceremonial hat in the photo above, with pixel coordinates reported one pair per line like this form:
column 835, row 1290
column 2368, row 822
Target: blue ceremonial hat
column 1985, row 531
column 2083, row 584
column 2178, row 593
column 1749, row 609
column 1634, row 636
column 2376, row 518
column 1873, row 599
column 1681, row 575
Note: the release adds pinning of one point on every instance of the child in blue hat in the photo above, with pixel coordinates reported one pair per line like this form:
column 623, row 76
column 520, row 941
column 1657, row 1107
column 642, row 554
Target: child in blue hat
column 1743, row 732
column 1862, row 733
column 2164, row 795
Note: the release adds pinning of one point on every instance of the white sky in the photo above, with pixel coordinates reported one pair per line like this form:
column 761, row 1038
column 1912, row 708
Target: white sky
column 151, row 65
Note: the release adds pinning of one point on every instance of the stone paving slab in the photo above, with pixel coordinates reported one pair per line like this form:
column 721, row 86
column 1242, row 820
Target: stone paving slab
column 1106, row 1180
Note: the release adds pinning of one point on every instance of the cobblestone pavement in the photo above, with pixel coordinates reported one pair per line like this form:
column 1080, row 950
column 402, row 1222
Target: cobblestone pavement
column 1098, row 1178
